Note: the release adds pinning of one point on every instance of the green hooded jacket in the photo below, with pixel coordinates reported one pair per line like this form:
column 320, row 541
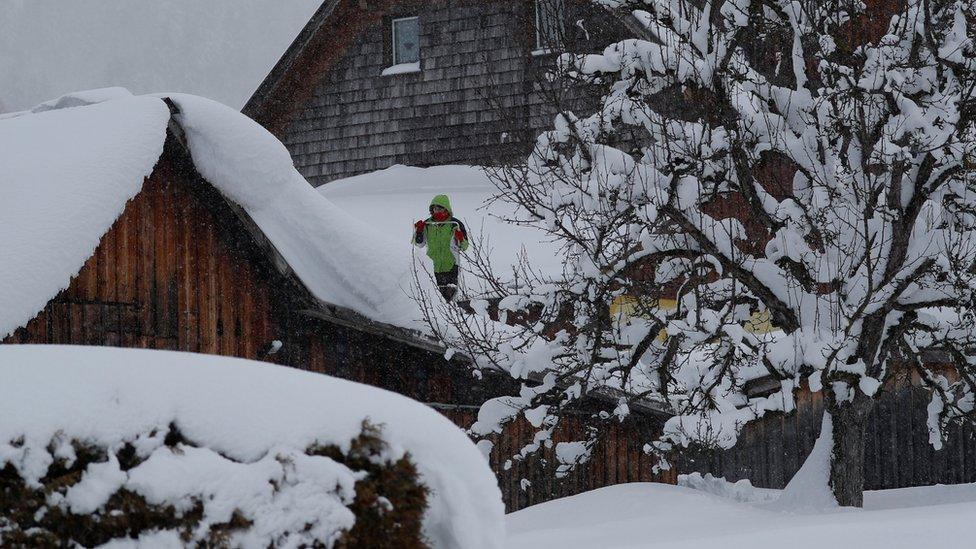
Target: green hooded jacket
column 438, row 237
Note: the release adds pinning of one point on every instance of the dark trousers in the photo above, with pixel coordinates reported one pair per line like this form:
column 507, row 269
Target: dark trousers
column 447, row 283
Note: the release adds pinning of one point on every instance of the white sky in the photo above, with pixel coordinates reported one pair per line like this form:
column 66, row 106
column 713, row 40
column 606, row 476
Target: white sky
column 220, row 49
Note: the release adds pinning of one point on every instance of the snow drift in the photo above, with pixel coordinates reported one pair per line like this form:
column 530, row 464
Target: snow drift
column 809, row 489
column 247, row 425
column 649, row 515
column 403, row 194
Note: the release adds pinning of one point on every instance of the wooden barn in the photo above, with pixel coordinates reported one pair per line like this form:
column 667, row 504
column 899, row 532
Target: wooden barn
column 186, row 268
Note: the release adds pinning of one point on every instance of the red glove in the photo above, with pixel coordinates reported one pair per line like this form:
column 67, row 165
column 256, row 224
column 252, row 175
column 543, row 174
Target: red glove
column 419, row 226
column 458, row 236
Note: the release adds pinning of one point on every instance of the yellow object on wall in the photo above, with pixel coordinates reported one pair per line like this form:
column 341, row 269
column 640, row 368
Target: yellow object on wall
column 626, row 306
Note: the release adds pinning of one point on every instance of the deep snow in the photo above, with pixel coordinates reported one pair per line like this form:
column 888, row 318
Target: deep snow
column 394, row 198
column 646, row 515
column 247, row 411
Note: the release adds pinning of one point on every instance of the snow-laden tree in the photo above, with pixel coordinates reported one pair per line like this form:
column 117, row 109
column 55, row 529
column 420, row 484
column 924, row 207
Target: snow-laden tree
column 768, row 188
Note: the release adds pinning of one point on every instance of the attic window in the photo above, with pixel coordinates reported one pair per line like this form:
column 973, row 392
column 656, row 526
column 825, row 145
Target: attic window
column 406, row 40
column 548, row 25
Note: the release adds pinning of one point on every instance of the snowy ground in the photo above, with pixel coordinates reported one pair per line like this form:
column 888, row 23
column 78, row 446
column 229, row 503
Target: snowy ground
column 663, row 516
column 393, row 199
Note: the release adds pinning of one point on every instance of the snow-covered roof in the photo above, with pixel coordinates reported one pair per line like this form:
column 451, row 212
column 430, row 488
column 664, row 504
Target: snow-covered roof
column 65, row 176
column 67, row 173
column 75, row 99
column 239, row 415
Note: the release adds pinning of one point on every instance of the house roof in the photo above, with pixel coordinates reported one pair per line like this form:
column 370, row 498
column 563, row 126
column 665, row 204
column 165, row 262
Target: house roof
column 66, row 175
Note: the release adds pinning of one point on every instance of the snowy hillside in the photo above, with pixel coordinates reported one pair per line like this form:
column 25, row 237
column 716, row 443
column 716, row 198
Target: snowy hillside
column 219, row 48
column 247, row 424
column 643, row 515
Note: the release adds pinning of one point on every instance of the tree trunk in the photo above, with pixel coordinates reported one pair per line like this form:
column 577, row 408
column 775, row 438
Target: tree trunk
column 847, row 458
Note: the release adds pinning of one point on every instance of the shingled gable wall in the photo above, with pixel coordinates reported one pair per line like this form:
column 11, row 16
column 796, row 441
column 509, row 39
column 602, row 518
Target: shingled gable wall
column 472, row 102
column 180, row 270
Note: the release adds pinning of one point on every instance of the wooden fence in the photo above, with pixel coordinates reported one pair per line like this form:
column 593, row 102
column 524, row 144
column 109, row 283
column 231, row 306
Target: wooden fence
column 897, row 449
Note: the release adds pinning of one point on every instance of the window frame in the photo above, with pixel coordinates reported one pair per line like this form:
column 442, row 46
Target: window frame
column 542, row 45
column 393, row 40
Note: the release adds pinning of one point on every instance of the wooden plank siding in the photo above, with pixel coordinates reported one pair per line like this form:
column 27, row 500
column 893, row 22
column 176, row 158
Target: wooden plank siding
column 153, row 281
column 618, row 459
column 178, row 270
column 897, row 449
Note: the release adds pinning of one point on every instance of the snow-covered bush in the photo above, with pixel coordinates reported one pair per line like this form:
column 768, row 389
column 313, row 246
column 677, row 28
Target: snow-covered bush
column 163, row 449
column 183, row 492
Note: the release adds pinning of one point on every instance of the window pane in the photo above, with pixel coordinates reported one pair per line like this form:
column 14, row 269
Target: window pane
column 548, row 23
column 406, row 40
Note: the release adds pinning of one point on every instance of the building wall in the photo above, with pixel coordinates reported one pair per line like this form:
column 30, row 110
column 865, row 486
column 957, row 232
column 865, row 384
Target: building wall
column 618, row 458
column 178, row 271
column 897, row 450
column 163, row 278
column 475, row 100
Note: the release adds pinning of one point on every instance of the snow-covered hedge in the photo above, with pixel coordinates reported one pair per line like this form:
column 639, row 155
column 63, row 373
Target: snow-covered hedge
column 163, row 448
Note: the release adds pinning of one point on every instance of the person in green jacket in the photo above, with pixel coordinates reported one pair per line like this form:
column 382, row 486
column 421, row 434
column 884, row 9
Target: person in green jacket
column 444, row 236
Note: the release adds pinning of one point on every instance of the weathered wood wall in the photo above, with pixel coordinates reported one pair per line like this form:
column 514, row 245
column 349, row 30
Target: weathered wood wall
column 476, row 98
column 474, row 101
column 897, row 449
column 166, row 277
column 617, row 459
column 179, row 271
